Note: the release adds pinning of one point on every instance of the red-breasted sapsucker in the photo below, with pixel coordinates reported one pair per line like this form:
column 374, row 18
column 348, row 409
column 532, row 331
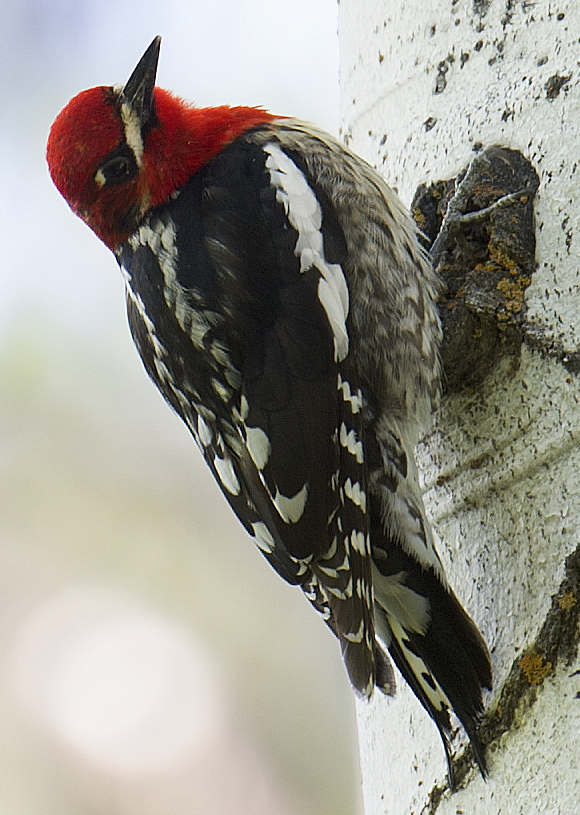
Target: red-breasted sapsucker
column 281, row 303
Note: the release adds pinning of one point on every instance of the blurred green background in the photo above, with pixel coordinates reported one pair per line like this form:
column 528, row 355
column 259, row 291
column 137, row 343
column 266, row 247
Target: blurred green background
column 151, row 662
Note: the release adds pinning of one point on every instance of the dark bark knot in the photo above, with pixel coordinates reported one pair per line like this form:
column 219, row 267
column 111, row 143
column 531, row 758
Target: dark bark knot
column 479, row 228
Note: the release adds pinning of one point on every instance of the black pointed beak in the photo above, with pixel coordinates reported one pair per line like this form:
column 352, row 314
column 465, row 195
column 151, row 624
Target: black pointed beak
column 138, row 91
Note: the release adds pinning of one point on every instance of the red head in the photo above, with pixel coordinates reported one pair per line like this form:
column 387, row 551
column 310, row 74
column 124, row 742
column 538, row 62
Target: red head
column 115, row 154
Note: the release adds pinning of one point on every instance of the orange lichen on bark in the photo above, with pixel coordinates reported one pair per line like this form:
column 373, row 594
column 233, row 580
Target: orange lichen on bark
column 535, row 668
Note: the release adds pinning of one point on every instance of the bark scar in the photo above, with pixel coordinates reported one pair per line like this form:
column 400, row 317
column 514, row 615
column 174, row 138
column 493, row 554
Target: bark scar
column 479, row 228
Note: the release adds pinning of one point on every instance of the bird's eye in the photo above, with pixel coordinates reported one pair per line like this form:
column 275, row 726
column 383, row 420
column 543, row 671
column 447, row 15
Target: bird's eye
column 116, row 169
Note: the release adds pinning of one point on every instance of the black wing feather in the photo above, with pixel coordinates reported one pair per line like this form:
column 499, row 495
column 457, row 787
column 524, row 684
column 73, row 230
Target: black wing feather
column 262, row 360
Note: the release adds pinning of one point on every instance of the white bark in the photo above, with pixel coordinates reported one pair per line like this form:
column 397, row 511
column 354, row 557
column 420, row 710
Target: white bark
column 501, row 469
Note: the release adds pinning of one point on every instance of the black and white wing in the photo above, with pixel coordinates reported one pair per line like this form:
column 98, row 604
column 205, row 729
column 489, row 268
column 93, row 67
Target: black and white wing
column 239, row 307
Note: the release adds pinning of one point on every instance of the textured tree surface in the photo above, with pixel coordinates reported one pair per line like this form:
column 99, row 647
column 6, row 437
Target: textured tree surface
column 426, row 89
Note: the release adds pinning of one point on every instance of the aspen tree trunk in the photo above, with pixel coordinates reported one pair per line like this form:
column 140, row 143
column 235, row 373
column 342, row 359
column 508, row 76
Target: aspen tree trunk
column 426, row 85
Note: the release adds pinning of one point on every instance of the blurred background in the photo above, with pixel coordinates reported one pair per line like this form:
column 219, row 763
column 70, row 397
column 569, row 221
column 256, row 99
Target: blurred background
column 151, row 662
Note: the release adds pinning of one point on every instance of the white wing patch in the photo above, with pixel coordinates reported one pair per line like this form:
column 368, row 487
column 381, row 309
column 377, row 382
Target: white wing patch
column 264, row 539
column 349, row 440
column 356, row 494
column 258, row 445
column 291, row 509
column 158, row 348
column 161, row 238
column 221, row 389
column 305, row 215
column 227, row 474
column 204, row 431
column 344, row 594
column 358, row 541
column 355, row 399
column 162, row 370
column 401, row 603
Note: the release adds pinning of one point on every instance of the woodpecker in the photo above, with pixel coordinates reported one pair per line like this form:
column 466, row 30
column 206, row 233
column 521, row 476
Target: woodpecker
column 281, row 302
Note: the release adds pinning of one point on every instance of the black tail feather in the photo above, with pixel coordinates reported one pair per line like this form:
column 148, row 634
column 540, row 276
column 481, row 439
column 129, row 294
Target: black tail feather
column 449, row 654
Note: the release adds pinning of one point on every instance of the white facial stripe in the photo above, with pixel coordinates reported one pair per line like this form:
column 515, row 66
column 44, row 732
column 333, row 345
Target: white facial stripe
column 132, row 131
column 305, row 215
